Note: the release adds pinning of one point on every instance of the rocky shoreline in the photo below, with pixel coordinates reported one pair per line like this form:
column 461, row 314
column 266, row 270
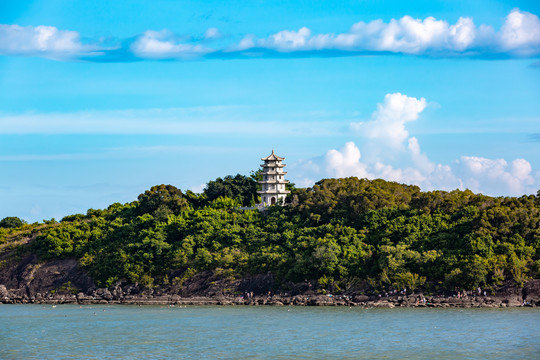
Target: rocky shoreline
column 105, row 296
column 63, row 282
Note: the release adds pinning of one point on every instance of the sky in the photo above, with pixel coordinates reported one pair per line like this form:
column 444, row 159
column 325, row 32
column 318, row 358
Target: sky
column 100, row 100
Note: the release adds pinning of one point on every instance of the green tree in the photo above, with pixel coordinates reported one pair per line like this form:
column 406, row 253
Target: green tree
column 162, row 195
column 240, row 187
column 11, row 222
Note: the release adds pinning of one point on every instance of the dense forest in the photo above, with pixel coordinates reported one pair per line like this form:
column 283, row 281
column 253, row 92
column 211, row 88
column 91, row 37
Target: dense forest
column 339, row 234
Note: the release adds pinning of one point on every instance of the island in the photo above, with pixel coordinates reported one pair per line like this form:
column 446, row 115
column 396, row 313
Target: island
column 347, row 241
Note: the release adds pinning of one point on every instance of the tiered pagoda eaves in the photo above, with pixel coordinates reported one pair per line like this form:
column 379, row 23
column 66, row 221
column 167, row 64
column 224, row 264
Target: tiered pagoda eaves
column 273, row 182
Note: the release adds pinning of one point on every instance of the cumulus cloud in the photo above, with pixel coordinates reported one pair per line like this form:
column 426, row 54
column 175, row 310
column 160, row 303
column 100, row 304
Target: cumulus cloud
column 519, row 36
column 346, row 162
column 481, row 174
column 520, row 33
column 387, row 131
column 488, row 176
column 164, row 45
column 410, row 35
column 419, row 158
column 46, row 41
column 388, row 122
column 288, row 40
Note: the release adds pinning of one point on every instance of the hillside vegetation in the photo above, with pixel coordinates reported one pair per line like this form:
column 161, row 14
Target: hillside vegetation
column 340, row 234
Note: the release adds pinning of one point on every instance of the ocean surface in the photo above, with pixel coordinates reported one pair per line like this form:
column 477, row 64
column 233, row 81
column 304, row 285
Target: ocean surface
column 222, row 332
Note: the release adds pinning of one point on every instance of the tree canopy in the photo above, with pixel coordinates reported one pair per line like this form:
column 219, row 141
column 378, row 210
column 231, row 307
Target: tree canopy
column 11, row 222
column 240, row 187
column 163, row 198
column 339, row 233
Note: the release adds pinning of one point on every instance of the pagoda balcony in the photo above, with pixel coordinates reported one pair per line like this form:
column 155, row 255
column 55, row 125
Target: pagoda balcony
column 274, row 191
column 275, row 181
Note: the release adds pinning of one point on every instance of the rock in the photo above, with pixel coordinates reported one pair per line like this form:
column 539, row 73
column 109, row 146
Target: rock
column 320, row 300
column 531, row 291
column 107, row 295
column 489, row 305
column 513, row 302
column 383, row 304
column 3, row 291
column 360, row 298
column 117, row 292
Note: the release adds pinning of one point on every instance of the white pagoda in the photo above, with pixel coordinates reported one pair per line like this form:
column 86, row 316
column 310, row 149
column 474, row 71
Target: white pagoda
column 273, row 184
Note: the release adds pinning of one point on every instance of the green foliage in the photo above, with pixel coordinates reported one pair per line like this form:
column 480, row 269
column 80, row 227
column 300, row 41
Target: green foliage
column 240, row 187
column 338, row 232
column 68, row 287
column 164, row 197
column 11, row 222
column 76, row 217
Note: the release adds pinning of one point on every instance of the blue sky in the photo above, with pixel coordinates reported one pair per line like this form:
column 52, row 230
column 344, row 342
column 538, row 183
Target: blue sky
column 101, row 100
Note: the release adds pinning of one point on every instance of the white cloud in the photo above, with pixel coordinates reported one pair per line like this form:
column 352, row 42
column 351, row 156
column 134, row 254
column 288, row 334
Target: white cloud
column 521, row 33
column 521, row 169
column 420, row 159
column 519, row 36
column 410, row 165
column 488, row 175
column 462, row 34
column 388, row 122
column 287, row 40
column 481, row 175
column 346, row 162
column 410, row 35
column 405, row 35
column 246, row 43
column 164, row 45
column 198, row 188
column 213, row 33
column 45, row 41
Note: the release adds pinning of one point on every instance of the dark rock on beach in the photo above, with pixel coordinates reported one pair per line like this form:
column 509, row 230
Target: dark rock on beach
column 64, row 282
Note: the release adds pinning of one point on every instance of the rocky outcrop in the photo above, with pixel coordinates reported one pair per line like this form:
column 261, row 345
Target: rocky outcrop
column 62, row 281
column 531, row 291
column 29, row 279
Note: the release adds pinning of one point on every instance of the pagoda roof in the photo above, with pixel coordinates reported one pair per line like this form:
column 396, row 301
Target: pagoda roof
column 273, row 156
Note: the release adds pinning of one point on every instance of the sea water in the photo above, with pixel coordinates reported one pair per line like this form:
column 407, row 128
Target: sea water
column 223, row 332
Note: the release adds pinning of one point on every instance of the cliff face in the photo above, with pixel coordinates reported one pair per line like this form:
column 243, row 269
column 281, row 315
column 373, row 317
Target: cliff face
column 63, row 281
column 30, row 277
